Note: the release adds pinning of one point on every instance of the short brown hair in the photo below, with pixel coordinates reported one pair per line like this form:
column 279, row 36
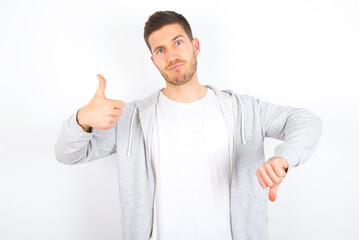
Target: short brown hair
column 162, row 18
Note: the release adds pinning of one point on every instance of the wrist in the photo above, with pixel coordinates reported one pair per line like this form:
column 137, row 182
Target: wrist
column 79, row 120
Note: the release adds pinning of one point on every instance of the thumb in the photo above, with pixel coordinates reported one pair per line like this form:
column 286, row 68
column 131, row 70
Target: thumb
column 273, row 192
column 101, row 86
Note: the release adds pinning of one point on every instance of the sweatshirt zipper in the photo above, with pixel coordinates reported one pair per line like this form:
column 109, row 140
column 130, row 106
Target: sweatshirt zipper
column 147, row 153
column 235, row 109
column 153, row 200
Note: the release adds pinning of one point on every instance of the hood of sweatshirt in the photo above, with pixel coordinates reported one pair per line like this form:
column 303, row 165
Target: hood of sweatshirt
column 143, row 105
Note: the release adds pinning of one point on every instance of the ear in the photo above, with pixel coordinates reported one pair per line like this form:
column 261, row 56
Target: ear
column 154, row 62
column 196, row 47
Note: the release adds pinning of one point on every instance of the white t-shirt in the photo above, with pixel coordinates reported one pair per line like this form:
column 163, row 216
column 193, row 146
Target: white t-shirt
column 190, row 158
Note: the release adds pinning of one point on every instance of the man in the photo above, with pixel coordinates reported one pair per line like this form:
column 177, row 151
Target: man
column 190, row 157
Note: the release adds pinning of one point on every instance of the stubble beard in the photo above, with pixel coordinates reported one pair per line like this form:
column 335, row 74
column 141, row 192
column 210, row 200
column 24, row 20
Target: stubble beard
column 187, row 76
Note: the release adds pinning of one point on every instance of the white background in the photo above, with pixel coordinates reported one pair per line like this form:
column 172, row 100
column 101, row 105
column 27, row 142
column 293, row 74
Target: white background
column 301, row 53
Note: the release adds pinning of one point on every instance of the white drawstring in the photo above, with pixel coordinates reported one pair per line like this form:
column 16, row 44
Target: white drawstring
column 130, row 140
column 242, row 122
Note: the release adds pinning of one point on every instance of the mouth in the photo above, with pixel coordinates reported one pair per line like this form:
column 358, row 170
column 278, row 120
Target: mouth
column 176, row 66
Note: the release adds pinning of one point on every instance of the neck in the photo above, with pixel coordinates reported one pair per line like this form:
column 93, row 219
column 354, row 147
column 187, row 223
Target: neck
column 185, row 93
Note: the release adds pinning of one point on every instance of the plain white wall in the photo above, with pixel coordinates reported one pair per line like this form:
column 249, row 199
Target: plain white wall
column 298, row 53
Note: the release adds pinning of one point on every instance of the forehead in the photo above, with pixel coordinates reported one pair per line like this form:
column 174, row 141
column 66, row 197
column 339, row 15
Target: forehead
column 165, row 34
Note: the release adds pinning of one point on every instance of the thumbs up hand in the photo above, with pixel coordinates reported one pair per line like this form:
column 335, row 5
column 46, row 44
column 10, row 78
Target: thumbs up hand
column 271, row 174
column 100, row 112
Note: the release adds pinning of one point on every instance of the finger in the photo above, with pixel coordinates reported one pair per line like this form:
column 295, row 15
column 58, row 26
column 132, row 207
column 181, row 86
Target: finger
column 280, row 172
column 273, row 176
column 117, row 112
column 265, row 176
column 112, row 119
column 260, row 179
column 273, row 192
column 117, row 103
column 101, row 86
column 109, row 125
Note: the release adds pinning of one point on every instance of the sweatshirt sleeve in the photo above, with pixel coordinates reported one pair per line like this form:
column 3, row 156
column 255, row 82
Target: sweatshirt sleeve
column 298, row 128
column 74, row 145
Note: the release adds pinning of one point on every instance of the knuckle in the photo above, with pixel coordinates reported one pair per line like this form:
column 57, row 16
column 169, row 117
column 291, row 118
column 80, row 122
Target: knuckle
column 259, row 172
column 105, row 125
column 277, row 180
column 109, row 103
column 262, row 170
column 108, row 120
column 268, row 166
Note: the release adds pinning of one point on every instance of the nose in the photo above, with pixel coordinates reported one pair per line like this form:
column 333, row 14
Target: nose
column 171, row 55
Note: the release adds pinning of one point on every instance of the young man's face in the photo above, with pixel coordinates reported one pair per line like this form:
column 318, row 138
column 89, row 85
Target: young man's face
column 174, row 54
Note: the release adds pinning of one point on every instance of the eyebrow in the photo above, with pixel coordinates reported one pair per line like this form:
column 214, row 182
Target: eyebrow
column 178, row 36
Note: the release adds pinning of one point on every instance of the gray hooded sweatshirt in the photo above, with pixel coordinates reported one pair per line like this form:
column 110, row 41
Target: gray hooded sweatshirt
column 248, row 120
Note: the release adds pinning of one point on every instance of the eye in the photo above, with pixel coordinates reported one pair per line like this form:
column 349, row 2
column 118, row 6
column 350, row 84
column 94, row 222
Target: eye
column 160, row 50
column 178, row 42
